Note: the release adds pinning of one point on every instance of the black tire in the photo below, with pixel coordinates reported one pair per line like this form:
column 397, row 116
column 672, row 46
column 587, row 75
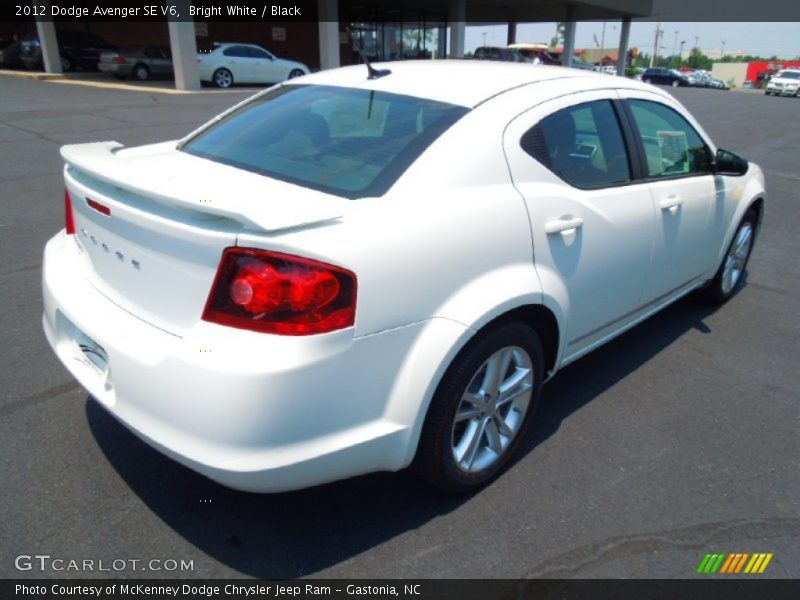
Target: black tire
column 140, row 72
column 716, row 291
column 222, row 78
column 675, row 83
column 648, row 80
column 296, row 73
column 435, row 460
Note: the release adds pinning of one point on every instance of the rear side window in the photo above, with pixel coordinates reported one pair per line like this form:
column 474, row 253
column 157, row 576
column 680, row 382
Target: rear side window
column 237, row 52
column 671, row 145
column 258, row 53
column 349, row 142
column 581, row 144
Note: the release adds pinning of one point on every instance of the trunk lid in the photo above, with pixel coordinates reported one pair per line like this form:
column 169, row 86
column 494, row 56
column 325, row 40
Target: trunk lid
column 171, row 216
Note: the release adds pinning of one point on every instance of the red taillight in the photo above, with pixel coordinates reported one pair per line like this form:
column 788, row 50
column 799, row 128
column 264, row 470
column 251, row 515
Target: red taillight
column 278, row 293
column 101, row 208
column 69, row 218
column 119, row 60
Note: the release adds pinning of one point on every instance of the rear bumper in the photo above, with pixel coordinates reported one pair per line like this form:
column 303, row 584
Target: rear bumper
column 252, row 411
column 114, row 69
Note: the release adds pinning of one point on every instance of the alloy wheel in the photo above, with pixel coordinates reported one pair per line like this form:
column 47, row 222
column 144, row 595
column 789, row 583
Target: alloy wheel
column 737, row 257
column 492, row 409
column 223, row 78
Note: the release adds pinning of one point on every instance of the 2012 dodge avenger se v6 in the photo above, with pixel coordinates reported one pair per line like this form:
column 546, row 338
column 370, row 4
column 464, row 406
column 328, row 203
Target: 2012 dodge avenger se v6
column 365, row 269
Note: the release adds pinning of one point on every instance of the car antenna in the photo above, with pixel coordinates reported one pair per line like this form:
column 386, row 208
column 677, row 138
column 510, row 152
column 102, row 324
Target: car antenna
column 372, row 72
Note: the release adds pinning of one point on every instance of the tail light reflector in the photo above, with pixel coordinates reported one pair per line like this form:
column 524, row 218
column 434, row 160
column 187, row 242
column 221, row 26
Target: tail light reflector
column 69, row 218
column 101, row 208
column 119, row 60
column 278, row 293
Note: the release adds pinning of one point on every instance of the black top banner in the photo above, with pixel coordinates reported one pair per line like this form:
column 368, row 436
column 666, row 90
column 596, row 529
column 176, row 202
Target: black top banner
column 476, row 11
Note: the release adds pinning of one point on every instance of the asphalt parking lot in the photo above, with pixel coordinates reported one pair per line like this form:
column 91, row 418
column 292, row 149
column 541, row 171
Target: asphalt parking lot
column 679, row 438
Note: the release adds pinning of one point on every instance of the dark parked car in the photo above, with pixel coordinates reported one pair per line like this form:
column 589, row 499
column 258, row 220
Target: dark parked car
column 78, row 50
column 663, row 76
column 703, row 80
column 139, row 62
column 538, row 54
column 9, row 54
column 496, row 53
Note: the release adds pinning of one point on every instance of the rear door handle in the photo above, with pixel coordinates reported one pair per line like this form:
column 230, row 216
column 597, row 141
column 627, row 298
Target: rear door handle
column 671, row 203
column 565, row 225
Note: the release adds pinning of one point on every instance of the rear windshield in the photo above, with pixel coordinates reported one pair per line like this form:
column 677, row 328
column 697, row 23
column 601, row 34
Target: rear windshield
column 348, row 142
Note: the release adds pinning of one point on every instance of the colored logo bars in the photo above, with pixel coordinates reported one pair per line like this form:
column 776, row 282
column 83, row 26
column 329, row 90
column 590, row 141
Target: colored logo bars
column 734, row 562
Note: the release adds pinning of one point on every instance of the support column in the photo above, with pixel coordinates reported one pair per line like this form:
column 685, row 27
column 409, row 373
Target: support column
column 184, row 49
column 457, row 18
column 441, row 45
column 622, row 52
column 328, row 17
column 512, row 34
column 46, row 30
column 569, row 37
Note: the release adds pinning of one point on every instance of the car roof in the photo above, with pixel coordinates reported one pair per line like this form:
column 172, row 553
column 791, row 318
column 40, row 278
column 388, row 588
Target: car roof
column 458, row 81
column 218, row 45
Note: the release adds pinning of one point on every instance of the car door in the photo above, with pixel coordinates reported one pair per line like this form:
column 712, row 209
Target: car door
column 592, row 221
column 237, row 60
column 154, row 59
column 677, row 163
column 265, row 69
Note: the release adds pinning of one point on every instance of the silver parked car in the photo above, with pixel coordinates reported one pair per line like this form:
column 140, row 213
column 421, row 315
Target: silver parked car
column 139, row 62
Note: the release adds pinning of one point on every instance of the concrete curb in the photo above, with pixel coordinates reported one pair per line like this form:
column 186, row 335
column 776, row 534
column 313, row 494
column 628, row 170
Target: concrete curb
column 36, row 75
column 122, row 86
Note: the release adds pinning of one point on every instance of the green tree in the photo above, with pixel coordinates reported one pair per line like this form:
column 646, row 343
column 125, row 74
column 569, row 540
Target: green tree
column 698, row 60
column 558, row 38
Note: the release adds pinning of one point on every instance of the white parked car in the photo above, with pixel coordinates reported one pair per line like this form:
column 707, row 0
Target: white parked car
column 228, row 64
column 784, row 83
column 334, row 278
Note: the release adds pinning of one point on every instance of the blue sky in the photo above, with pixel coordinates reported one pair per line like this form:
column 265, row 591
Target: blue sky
column 766, row 39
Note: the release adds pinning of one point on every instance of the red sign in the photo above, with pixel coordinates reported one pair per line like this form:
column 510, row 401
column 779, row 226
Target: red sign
column 754, row 69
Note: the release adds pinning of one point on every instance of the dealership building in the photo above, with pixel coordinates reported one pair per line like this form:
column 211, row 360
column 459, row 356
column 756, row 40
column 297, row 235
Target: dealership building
column 331, row 33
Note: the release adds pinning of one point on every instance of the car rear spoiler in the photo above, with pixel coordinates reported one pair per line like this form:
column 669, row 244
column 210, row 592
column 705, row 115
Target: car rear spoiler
column 201, row 189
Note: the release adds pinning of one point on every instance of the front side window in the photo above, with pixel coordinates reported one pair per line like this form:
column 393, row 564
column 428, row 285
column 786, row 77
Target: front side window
column 581, row 144
column 671, row 145
column 349, row 142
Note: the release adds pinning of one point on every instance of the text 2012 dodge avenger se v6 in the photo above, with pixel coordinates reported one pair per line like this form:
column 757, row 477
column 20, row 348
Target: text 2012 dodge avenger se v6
column 360, row 270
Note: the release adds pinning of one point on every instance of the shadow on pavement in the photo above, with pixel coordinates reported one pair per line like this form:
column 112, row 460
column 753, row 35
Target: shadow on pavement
column 299, row 533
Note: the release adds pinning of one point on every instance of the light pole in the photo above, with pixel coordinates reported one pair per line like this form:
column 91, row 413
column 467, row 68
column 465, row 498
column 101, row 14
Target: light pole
column 485, row 33
column 602, row 42
column 681, row 53
column 654, row 58
column 675, row 43
column 723, row 49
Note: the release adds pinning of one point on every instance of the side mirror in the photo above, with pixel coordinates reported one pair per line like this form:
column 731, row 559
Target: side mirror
column 728, row 163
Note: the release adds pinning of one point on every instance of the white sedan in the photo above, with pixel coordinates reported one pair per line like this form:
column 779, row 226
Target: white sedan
column 380, row 268
column 228, row 64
